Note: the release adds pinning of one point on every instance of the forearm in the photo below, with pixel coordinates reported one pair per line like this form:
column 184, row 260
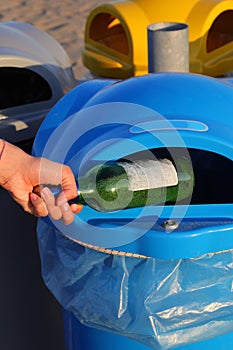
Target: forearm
column 13, row 160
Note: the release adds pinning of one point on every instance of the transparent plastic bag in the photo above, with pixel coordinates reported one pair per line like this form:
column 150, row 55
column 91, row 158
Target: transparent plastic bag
column 160, row 303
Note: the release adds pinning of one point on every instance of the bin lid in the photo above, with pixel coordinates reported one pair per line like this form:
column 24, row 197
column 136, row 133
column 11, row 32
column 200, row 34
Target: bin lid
column 35, row 73
column 103, row 120
column 115, row 43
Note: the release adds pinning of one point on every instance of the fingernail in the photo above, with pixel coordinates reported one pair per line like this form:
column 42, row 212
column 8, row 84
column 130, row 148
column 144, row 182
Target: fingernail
column 65, row 206
column 46, row 193
column 33, row 197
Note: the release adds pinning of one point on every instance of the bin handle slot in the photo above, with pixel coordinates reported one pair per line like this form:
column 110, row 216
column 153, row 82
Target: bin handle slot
column 178, row 124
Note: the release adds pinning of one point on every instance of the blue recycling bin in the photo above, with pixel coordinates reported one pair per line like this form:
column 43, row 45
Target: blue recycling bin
column 130, row 279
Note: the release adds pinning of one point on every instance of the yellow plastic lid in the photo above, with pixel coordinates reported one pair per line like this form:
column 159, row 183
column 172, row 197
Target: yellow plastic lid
column 115, row 43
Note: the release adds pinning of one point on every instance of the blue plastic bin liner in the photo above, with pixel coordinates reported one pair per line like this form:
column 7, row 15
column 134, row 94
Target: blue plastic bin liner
column 161, row 303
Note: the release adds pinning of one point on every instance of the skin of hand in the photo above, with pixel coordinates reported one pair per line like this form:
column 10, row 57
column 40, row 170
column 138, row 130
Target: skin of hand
column 21, row 173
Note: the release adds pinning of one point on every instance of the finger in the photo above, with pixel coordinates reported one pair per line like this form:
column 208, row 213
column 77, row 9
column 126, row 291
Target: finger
column 67, row 214
column 49, row 199
column 37, row 207
column 76, row 208
column 68, row 183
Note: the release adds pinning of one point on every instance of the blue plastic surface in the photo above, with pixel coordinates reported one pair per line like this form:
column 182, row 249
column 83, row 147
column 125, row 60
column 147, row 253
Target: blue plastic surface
column 80, row 337
column 182, row 292
column 105, row 120
column 162, row 304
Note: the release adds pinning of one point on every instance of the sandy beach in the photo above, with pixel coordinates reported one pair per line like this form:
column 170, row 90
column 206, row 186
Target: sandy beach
column 63, row 19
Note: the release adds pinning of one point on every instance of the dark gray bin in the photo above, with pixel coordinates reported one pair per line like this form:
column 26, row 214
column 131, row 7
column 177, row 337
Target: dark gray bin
column 34, row 74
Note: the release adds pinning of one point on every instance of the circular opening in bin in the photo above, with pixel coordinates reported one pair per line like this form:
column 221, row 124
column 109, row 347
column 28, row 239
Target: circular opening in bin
column 21, row 86
column 108, row 31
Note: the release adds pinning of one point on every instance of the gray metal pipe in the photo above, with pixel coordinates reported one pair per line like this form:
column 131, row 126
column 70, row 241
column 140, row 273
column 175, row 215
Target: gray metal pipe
column 168, row 47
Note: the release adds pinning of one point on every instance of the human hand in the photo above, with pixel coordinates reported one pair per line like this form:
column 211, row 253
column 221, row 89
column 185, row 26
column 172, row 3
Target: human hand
column 21, row 173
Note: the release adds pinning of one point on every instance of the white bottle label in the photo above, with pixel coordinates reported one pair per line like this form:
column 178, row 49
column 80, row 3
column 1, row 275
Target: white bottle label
column 148, row 174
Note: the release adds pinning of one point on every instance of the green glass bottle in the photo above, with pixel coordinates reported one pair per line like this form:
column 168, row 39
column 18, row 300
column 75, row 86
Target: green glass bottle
column 121, row 185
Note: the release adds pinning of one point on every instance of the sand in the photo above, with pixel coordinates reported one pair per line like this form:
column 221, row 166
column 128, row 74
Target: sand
column 63, row 19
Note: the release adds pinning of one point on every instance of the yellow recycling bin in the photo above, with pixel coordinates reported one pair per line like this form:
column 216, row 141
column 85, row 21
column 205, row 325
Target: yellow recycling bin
column 115, row 43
